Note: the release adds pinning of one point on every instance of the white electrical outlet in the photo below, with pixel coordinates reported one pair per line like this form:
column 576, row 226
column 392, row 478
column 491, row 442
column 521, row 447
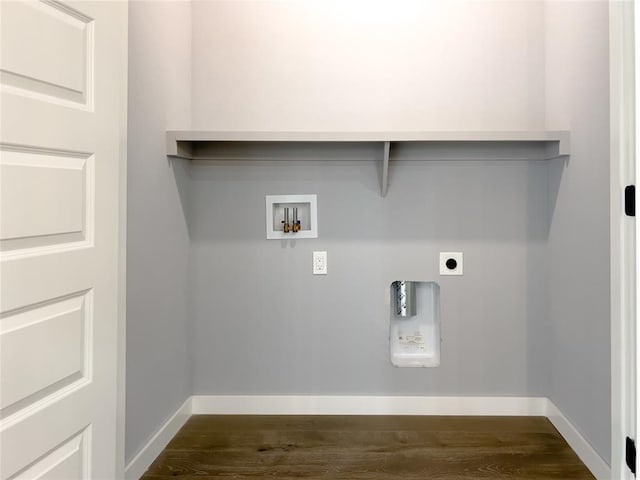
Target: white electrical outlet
column 319, row 263
column 451, row 263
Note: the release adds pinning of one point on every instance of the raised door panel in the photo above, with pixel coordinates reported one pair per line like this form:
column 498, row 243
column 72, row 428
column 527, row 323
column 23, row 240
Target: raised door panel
column 69, row 461
column 47, row 50
column 50, row 342
column 47, row 198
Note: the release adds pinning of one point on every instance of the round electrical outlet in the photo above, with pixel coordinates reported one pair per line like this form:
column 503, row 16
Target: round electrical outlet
column 451, row 263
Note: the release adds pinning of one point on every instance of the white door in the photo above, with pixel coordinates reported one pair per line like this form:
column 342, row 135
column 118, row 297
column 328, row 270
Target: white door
column 62, row 147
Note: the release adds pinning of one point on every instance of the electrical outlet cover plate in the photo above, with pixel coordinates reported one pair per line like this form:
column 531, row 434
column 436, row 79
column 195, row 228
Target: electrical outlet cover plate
column 451, row 263
column 319, row 263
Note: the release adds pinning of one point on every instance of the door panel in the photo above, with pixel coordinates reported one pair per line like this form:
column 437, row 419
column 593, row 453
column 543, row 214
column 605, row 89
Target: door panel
column 59, row 69
column 63, row 85
column 50, row 342
column 70, row 461
column 47, row 198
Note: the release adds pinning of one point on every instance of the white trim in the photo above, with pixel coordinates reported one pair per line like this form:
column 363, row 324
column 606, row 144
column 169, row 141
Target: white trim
column 121, row 345
column 633, row 359
column 578, row 443
column 145, row 457
column 366, row 405
column 623, row 241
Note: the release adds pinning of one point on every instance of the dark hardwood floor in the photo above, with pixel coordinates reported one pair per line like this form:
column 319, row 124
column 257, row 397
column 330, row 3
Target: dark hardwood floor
column 367, row 448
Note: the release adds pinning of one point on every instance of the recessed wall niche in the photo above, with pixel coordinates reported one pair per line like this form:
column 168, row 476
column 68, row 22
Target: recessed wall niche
column 292, row 216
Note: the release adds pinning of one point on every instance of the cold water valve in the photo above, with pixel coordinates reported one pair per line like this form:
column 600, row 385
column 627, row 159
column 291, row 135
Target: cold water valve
column 286, row 228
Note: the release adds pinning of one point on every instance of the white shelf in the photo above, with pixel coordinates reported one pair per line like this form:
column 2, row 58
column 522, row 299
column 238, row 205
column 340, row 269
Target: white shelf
column 382, row 146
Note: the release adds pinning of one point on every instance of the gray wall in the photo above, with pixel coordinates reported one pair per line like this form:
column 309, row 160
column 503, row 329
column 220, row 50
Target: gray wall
column 531, row 314
column 578, row 98
column 334, row 65
column 262, row 322
column 264, row 325
column 158, row 242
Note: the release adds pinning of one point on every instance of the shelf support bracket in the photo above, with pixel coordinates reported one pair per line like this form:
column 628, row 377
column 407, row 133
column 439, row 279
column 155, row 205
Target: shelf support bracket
column 385, row 169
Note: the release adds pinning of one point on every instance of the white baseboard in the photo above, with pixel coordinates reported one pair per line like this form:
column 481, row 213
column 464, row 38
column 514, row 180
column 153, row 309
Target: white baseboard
column 366, row 405
column 145, row 457
column 578, row 443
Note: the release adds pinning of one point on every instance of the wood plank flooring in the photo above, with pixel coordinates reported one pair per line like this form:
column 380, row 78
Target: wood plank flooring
column 367, row 448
